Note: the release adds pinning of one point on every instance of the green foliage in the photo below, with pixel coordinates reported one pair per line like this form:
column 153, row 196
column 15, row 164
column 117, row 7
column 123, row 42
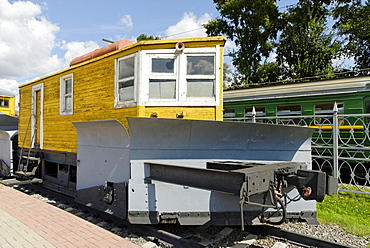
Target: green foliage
column 300, row 37
column 268, row 72
column 251, row 25
column 146, row 37
column 353, row 23
column 227, row 72
column 350, row 211
column 305, row 47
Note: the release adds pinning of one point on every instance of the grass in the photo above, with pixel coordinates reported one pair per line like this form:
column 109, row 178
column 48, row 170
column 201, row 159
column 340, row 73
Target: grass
column 350, row 211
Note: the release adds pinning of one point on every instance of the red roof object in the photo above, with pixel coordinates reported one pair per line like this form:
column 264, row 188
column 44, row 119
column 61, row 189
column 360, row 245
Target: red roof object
column 101, row 51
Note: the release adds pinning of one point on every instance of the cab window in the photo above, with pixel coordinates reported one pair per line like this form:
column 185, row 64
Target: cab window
column 260, row 111
column 293, row 109
column 229, row 112
column 327, row 108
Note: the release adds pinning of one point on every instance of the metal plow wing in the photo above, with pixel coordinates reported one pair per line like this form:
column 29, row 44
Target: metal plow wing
column 103, row 153
column 196, row 139
column 103, row 165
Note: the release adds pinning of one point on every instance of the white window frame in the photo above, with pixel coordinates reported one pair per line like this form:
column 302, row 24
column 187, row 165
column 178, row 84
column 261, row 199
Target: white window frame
column 128, row 103
column 63, row 95
column 4, row 102
column 163, row 75
column 181, row 78
column 260, row 111
column 202, row 76
column 329, row 111
column 229, row 114
column 289, row 112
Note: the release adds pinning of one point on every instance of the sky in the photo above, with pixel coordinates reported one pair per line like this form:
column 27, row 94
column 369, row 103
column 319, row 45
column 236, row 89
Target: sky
column 39, row 37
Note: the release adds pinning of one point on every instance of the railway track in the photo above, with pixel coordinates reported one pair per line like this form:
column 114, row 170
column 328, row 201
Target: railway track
column 257, row 236
column 233, row 237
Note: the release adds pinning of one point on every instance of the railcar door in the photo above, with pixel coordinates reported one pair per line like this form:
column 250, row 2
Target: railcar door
column 366, row 105
column 37, row 116
column 366, row 108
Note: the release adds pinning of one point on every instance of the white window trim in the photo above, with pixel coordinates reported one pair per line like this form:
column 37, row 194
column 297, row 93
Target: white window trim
column 329, row 111
column 212, row 77
column 289, row 112
column 181, row 84
column 158, row 75
column 63, row 95
column 129, row 103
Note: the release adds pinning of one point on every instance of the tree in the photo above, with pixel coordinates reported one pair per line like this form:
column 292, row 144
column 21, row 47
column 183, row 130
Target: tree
column 251, row 24
column 305, row 47
column 227, row 80
column 146, row 37
column 269, row 72
column 353, row 24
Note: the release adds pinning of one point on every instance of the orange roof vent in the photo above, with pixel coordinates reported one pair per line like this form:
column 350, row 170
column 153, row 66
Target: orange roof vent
column 101, row 51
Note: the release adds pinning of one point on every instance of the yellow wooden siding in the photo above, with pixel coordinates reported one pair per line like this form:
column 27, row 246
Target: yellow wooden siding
column 93, row 99
column 204, row 113
column 25, row 98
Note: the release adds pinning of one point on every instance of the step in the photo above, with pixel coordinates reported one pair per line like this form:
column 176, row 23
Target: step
column 23, row 173
column 31, row 158
column 15, row 181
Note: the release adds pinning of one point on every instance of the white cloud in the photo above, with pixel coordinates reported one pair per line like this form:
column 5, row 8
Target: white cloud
column 26, row 41
column 75, row 49
column 188, row 27
column 18, row 10
column 126, row 21
column 10, row 85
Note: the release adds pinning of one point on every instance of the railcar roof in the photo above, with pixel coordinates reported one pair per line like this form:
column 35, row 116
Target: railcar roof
column 325, row 87
column 4, row 92
column 7, row 122
column 141, row 45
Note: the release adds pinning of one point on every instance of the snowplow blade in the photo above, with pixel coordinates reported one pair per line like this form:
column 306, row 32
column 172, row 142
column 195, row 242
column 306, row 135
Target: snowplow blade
column 152, row 138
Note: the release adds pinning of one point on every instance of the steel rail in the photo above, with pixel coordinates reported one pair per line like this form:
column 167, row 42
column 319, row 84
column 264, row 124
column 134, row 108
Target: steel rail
column 293, row 237
column 174, row 240
column 165, row 237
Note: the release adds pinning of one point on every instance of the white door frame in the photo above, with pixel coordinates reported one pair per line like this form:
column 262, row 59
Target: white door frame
column 35, row 88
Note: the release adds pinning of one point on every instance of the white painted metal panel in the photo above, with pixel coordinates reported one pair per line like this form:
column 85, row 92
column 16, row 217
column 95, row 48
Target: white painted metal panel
column 195, row 139
column 6, row 148
column 103, row 153
column 325, row 87
column 177, row 198
column 192, row 143
column 141, row 197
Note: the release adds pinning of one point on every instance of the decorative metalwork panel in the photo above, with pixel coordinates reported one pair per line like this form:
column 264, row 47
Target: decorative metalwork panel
column 340, row 145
